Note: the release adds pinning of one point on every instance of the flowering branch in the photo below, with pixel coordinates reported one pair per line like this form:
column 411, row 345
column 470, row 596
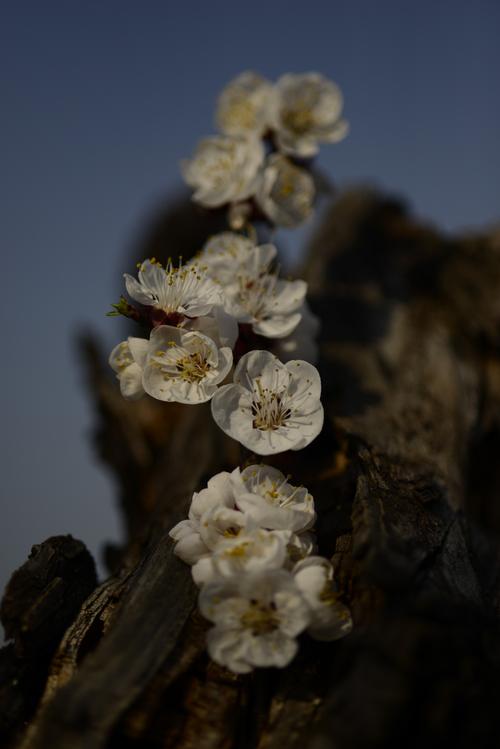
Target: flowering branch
column 260, row 584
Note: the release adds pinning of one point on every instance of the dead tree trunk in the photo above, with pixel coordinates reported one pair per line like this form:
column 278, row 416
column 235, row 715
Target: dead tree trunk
column 406, row 478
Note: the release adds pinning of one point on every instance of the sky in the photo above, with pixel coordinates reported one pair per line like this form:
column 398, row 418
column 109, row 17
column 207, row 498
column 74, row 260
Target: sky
column 101, row 100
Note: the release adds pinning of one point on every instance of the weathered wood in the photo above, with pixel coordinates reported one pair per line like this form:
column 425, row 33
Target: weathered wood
column 404, row 477
column 40, row 602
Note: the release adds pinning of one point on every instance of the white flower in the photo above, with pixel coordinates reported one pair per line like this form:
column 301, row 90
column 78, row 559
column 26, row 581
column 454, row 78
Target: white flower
column 268, row 303
column 250, row 550
column 244, row 105
column 264, row 493
column 228, row 254
column 184, row 366
column 307, row 112
column 128, row 359
column 224, row 169
column 176, row 292
column 301, row 343
column 271, row 407
column 285, row 192
column 253, row 294
column 330, row 619
column 216, row 496
column 257, row 618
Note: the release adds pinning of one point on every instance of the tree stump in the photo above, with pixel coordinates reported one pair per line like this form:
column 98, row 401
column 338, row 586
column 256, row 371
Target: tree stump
column 406, row 480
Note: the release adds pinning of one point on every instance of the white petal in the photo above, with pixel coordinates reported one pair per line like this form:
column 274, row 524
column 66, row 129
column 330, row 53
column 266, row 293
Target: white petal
column 228, row 647
column 204, row 571
column 120, row 357
column 307, row 428
column 273, row 649
column 272, row 517
column 289, row 295
column 229, row 403
column 139, row 349
column 263, row 365
column 138, row 292
column 225, row 364
column 131, row 382
column 305, row 384
column 183, row 529
column 190, row 548
column 163, row 336
column 277, row 326
column 152, row 276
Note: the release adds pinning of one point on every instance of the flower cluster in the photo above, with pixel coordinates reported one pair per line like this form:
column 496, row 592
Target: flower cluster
column 267, row 131
column 248, row 539
column 226, row 328
column 229, row 301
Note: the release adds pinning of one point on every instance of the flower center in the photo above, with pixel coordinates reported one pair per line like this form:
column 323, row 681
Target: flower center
column 299, row 120
column 232, row 532
column 181, row 285
column 241, row 113
column 270, row 409
column 192, row 368
column 261, row 619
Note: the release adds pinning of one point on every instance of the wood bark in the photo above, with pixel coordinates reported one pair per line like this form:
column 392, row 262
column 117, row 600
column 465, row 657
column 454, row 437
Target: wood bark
column 406, row 479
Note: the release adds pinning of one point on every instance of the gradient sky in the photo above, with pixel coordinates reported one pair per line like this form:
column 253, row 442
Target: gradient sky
column 100, row 100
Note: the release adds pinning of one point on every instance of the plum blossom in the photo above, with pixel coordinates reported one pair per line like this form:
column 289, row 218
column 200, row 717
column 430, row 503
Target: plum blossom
column 227, row 255
column 216, row 513
column 184, row 365
column 250, row 550
column 266, row 495
column 176, row 292
column 330, row 619
column 253, row 292
column 270, row 407
column 128, row 359
column 307, row 112
column 263, row 300
column 257, row 618
column 285, row 192
column 224, row 169
column 244, row 105
column 217, row 496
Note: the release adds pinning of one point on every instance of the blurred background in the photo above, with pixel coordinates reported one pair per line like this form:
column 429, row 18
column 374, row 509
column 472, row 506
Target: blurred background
column 100, row 101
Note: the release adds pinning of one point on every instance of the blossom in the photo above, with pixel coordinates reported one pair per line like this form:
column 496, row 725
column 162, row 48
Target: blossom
column 218, row 495
column 307, row 112
column 330, row 619
column 228, row 254
column 244, row 105
column 224, row 169
column 285, row 192
column 184, row 366
column 301, row 343
column 249, row 550
column 175, row 291
column 257, row 618
column 128, row 359
column 263, row 300
column 265, row 494
column 253, row 293
column 270, row 407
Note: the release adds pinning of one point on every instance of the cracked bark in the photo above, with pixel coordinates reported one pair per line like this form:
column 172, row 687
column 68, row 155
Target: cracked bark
column 405, row 477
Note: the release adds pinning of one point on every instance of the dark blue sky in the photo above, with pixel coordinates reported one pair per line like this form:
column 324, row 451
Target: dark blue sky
column 100, row 100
